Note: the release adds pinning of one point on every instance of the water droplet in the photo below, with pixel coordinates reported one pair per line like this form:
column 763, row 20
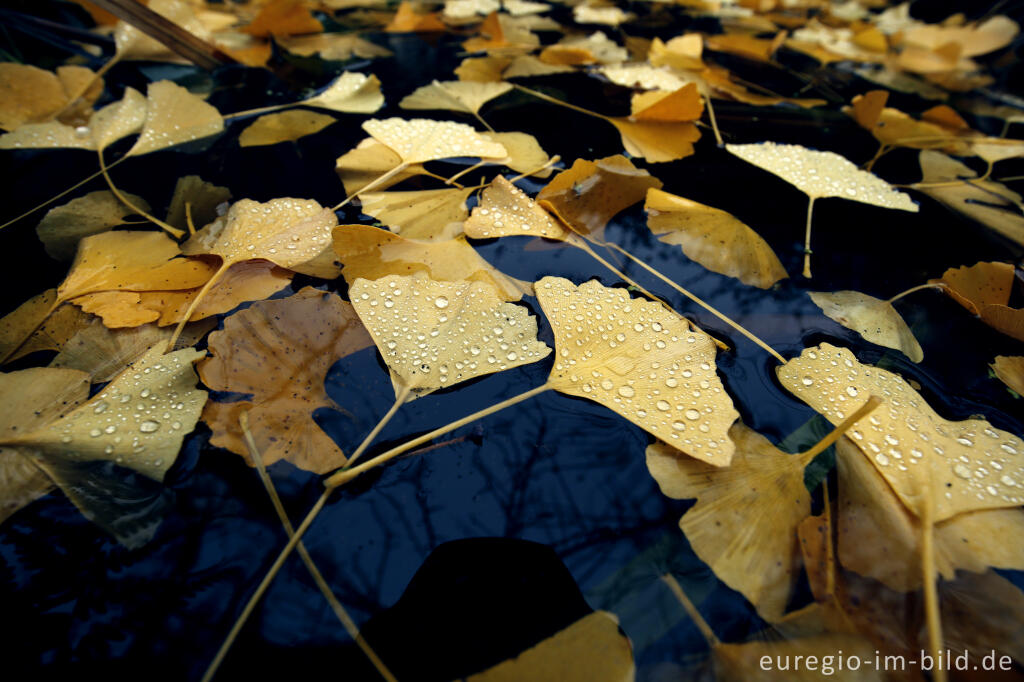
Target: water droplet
column 663, row 405
column 626, row 391
column 807, row 381
column 962, row 471
column 692, row 414
column 607, row 384
column 149, row 426
column 441, row 302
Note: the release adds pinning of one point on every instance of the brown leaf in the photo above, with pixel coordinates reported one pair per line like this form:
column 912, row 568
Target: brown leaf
column 283, row 18
column 1010, row 370
column 984, row 289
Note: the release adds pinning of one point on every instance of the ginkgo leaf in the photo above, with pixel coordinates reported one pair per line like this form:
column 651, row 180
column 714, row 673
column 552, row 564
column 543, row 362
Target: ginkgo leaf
column 468, row 330
column 590, row 193
column 720, row 81
column 519, row 8
column 655, row 141
column 132, row 43
column 352, row 93
column 988, row 36
column 714, row 238
column 592, row 49
column 420, row 140
column 963, row 466
column 590, row 650
column 118, row 119
column 371, row 253
column 406, row 20
column 874, row 319
column 63, row 227
column 643, row 76
column 525, row 155
column 461, row 95
column 744, row 522
column 369, row 161
column 21, row 481
column 985, row 289
column 642, row 361
column 500, row 36
column 174, row 116
column 592, row 14
column 880, row 539
column 283, row 18
column 278, row 352
column 467, row 10
column 40, row 323
column 528, row 66
column 333, row 46
column 1010, row 370
column 285, row 126
column 682, row 52
column 49, row 135
column 31, row 95
column 482, row 69
column 431, row 215
column 196, row 198
column 505, row 210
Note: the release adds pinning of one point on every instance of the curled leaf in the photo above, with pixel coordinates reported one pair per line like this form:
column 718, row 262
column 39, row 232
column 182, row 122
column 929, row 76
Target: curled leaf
column 874, row 319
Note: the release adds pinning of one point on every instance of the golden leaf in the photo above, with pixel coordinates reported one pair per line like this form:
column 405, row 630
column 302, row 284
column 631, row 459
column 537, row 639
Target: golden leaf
column 63, row 227
column 505, row 210
column 370, row 160
column 1010, row 370
column 283, row 18
column 682, row 52
column 371, row 253
column 285, row 126
column 406, row 20
column 593, row 49
column 482, row 69
column 279, row 353
column 984, row 289
column 962, row 466
column 642, row 361
column 525, row 155
column 465, row 96
column 528, row 66
column 715, row 239
column 503, row 37
column 202, row 199
column 430, row 215
column 470, row 330
column 351, row 93
column 419, row 140
column 40, row 323
column 31, row 95
column 118, row 119
column 874, row 319
column 174, row 116
column 132, row 43
column 333, row 46
column 643, row 76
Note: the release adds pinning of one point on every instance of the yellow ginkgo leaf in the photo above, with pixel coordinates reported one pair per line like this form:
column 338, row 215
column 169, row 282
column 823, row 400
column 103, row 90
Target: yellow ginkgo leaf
column 118, row 119
column 351, row 93
column 193, row 197
column 504, row 210
column 643, row 76
column 420, row 140
column 528, row 66
column 430, row 215
column 370, row 160
column 714, row 238
column 593, row 14
column 283, row 18
column 642, row 361
column 333, row 46
column 592, row 49
column 1010, row 370
column 175, row 116
column 132, row 43
column 462, row 95
column 682, row 52
column 63, row 227
column 31, row 95
column 525, row 155
column 959, row 466
column 590, row 650
column 285, row 126
column 40, row 323
column 482, row 69
column 469, row 330
column 874, row 319
column 371, row 253
column 985, row 290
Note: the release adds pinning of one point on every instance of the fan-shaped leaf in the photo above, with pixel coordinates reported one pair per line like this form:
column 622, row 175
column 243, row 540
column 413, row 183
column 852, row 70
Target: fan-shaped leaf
column 505, row 210
column 874, row 319
column 419, row 140
column 430, row 215
column 174, row 116
column 464, row 96
column 984, row 289
column 285, row 126
column 63, row 227
column 352, row 93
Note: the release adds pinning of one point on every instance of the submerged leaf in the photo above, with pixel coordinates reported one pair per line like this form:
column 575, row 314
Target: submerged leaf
column 202, row 199
column 63, row 227
column 285, row 126
column 874, row 319
column 642, row 361
column 279, row 353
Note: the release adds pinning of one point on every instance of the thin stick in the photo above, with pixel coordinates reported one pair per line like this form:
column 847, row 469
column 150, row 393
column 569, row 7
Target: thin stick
column 261, row 110
column 732, row 323
column 464, row 171
column 555, row 100
column 195, row 303
column 837, row 433
column 933, row 617
column 807, row 238
column 175, row 232
column 714, row 121
column 69, row 189
column 400, row 399
column 919, row 287
column 318, row 578
column 550, row 162
column 709, row 635
column 345, row 475
column 374, row 183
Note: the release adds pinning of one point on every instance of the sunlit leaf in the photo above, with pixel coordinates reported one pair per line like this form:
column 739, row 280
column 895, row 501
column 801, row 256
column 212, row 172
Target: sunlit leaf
column 371, row 253
column 591, row 14
column 462, row 10
column 352, row 93
column 759, row 49
column 985, row 290
column 278, row 352
column 1010, row 370
column 482, row 69
column 642, row 361
column 714, row 238
column 133, row 43
column 63, row 227
column 419, row 140
column 285, row 126
column 988, row 36
column 118, row 119
column 461, row 95
column 893, row 127
column 431, row 215
column 174, row 116
column 499, row 36
column 505, row 210
column 874, row 319
column 467, row 329
column 367, row 162
column 528, row 66
column 593, row 49
column 31, row 95
column 283, row 18
column 963, row 466
column 643, row 76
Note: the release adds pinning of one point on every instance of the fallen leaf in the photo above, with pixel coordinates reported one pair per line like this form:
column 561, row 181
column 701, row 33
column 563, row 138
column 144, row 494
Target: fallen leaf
column 369, row 161
column 525, row 155
column 132, row 43
column 963, row 466
column 468, row 10
column 642, row 361
column 31, row 95
column 715, row 239
column 350, row 93
column 643, row 76
column 372, row 253
column 202, row 199
column 420, row 140
column 118, row 119
column 465, row 96
column 482, row 69
column 430, row 215
column 174, row 116
column 590, row 193
column 333, row 46
column 505, row 210
column 406, row 20
column 874, row 319
column 985, row 289
column 682, row 52
column 527, row 66
column 758, row 49
column 593, row 49
column 63, row 227
column 283, row 18
column 500, row 37
column 278, row 352
column 40, row 323
column 473, row 331
column 894, row 128
column 1010, row 370
column 608, row 16
column 593, row 649
column 988, row 36
column 285, row 126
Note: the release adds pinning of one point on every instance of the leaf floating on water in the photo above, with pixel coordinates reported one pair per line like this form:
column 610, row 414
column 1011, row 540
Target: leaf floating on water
column 202, row 199
column 984, row 289
column 643, row 76
column 874, row 319
column 351, row 93
column 39, row 323
column 31, row 95
column 118, row 119
column 682, row 52
column 283, row 18
column 1010, row 370
column 174, row 116
column 285, row 126
column 429, row 215
column 333, row 46
column 419, row 140
column 593, row 649
column 279, row 353
column 370, row 160
column 505, row 210
column 525, row 155
column 63, row 227
column 715, row 239
column 964, row 466
column 371, row 253
column 465, row 96
column 587, row 196
column 642, row 361
column 463, row 330
column 406, row 20
column 482, row 69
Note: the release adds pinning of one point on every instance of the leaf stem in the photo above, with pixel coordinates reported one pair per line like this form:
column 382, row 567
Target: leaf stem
column 175, row 232
column 714, row 121
column 400, row 399
column 261, row 110
column 464, row 171
column 838, row 432
column 933, row 617
column 807, row 237
column 224, row 266
column 374, row 183
column 555, row 100
column 583, row 245
column 550, row 162
column 709, row 635
column 919, row 287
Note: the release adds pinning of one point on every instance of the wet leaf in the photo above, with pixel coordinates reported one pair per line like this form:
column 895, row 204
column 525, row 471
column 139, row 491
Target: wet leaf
column 431, row 215
column 1010, row 370
column 525, row 155
column 593, row 649
column 505, row 210
column 118, row 119
column 608, row 16
column 893, row 127
column 874, row 319
column 333, row 46
column 482, row 69
column 174, row 116
column 988, row 36
column 351, row 93
column 31, row 95
column 285, row 126
column 372, row 253
column 715, row 239
column 465, row 96
column 500, row 37
column 963, row 466
column 590, row 193
column 576, row 51
column 420, row 140
column 528, row 66
column 467, row 330
column 642, row 361
column 371, row 160
column 283, row 18
column 406, row 20
column 133, row 43
column 63, row 227
column 278, row 352
column 682, row 52
column 985, row 289
column 643, row 76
